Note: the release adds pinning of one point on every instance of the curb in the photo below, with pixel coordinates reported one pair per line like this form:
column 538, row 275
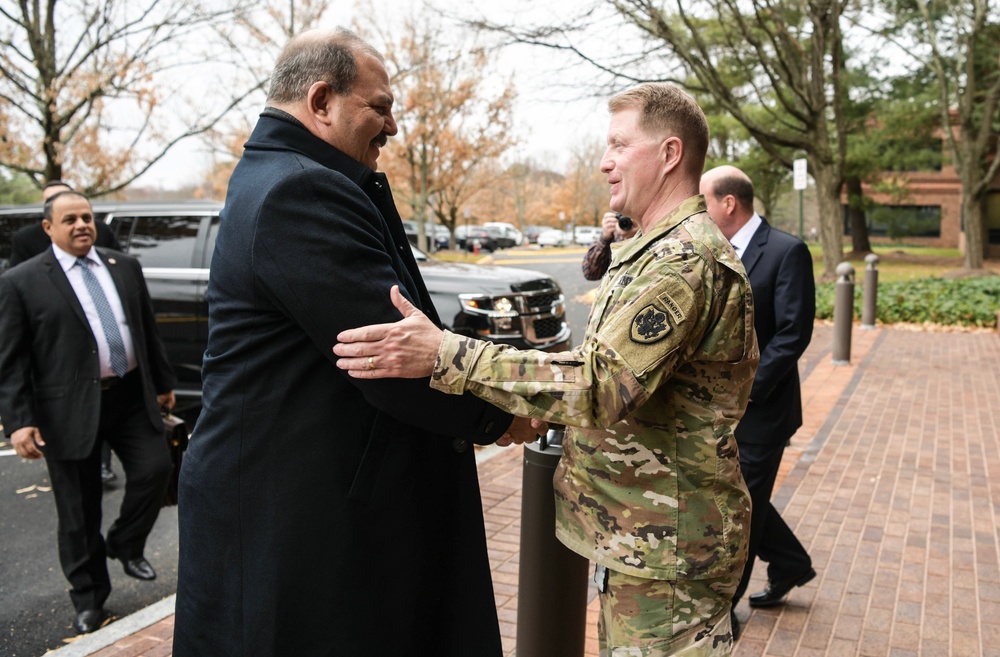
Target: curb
column 88, row 644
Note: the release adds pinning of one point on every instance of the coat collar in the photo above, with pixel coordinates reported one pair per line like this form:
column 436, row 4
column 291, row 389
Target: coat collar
column 629, row 249
column 756, row 246
column 279, row 130
column 57, row 275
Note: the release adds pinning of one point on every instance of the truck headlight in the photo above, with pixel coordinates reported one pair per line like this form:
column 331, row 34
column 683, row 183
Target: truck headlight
column 501, row 307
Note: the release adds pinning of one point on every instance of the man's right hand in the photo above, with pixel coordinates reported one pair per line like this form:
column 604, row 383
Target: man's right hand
column 609, row 225
column 523, row 430
column 27, row 441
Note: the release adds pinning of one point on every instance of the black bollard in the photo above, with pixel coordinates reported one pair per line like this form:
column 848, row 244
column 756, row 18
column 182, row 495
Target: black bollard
column 552, row 580
column 843, row 314
column 869, row 309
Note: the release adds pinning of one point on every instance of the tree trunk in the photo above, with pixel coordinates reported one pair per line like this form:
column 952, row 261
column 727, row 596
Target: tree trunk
column 975, row 244
column 423, row 193
column 831, row 224
column 856, row 212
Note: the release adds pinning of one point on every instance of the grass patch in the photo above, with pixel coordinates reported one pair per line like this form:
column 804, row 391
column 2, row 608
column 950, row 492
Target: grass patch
column 904, row 249
column 912, row 287
column 900, row 262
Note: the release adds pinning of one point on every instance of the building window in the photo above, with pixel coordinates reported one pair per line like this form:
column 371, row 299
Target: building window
column 992, row 217
column 900, row 221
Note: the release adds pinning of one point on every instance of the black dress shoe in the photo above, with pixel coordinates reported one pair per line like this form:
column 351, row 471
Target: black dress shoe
column 735, row 622
column 139, row 568
column 775, row 592
column 89, row 620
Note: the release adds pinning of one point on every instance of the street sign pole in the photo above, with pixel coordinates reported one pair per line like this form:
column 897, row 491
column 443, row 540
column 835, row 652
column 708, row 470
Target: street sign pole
column 800, row 214
column 799, row 182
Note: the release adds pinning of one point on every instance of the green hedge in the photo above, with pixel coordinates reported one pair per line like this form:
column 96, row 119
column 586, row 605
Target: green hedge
column 964, row 301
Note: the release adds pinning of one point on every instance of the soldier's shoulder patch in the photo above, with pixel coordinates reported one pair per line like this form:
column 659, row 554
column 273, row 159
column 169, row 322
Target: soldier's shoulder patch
column 650, row 324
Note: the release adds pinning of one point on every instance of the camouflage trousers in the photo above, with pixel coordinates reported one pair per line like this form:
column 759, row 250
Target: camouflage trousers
column 656, row 618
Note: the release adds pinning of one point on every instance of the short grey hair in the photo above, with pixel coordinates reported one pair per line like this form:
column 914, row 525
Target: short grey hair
column 666, row 109
column 317, row 56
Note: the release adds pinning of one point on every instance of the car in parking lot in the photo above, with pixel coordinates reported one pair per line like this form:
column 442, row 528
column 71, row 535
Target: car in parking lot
column 586, row 235
column 554, row 237
column 467, row 237
column 442, row 236
column 531, row 233
column 506, row 234
column 174, row 241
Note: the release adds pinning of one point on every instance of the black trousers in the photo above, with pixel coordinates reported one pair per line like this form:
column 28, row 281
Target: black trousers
column 76, row 485
column 771, row 539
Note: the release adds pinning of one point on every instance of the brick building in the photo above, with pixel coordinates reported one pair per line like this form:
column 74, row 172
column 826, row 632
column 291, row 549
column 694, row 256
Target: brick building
column 929, row 210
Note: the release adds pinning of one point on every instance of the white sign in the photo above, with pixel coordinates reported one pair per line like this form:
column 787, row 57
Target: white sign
column 799, row 174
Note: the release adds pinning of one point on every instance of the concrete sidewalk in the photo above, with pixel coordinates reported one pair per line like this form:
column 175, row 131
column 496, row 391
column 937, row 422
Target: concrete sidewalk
column 892, row 484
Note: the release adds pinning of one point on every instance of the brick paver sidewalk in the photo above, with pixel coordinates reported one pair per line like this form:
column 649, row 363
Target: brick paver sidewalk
column 892, row 484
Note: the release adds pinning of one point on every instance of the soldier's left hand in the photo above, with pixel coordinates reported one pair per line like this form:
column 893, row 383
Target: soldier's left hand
column 406, row 349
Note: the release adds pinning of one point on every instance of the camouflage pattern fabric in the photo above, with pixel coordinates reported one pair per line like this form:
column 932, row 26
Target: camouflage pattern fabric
column 649, row 483
column 656, row 618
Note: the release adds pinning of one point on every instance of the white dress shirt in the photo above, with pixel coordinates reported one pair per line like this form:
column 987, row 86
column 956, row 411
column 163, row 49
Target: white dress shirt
column 741, row 240
column 75, row 276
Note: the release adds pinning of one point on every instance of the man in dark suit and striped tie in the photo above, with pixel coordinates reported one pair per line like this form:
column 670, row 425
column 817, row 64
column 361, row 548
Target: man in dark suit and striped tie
column 80, row 362
column 32, row 240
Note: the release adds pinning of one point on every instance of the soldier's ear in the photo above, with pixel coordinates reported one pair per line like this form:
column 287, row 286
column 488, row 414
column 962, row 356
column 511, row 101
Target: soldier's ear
column 672, row 152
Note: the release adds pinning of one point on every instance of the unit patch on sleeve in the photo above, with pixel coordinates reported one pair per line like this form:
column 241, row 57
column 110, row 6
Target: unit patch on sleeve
column 649, row 325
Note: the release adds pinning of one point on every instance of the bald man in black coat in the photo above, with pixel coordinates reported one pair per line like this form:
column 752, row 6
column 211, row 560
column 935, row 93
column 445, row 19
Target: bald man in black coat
column 780, row 270
column 321, row 514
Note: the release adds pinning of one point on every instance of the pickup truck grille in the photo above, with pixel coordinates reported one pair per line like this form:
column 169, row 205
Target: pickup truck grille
column 540, row 302
column 547, row 327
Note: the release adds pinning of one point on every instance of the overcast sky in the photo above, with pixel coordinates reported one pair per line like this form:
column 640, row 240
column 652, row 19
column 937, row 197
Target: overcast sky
column 555, row 111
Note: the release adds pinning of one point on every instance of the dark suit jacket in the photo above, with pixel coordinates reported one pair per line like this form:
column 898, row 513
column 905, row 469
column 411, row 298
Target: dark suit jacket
column 321, row 514
column 31, row 240
column 784, row 307
column 49, row 370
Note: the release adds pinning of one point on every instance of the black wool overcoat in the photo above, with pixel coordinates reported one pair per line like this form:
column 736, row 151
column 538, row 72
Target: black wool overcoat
column 319, row 514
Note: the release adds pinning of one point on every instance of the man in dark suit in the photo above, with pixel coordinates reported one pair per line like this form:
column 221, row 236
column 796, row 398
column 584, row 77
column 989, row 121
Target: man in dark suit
column 80, row 362
column 322, row 515
column 780, row 269
column 31, row 240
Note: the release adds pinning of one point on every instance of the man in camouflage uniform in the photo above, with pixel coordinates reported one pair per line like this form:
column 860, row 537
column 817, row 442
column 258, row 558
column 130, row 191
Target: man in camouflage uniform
column 649, row 485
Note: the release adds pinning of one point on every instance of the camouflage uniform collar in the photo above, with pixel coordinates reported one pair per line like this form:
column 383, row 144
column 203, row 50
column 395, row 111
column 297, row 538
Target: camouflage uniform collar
column 629, row 249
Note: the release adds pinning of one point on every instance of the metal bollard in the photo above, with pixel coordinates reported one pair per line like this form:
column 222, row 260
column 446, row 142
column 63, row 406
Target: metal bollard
column 552, row 580
column 870, row 305
column 843, row 314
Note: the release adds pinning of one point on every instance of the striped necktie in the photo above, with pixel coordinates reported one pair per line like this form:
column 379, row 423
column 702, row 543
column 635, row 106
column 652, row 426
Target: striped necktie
column 119, row 361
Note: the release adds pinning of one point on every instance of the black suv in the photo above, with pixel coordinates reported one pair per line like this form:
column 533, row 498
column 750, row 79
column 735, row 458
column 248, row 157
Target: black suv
column 175, row 240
